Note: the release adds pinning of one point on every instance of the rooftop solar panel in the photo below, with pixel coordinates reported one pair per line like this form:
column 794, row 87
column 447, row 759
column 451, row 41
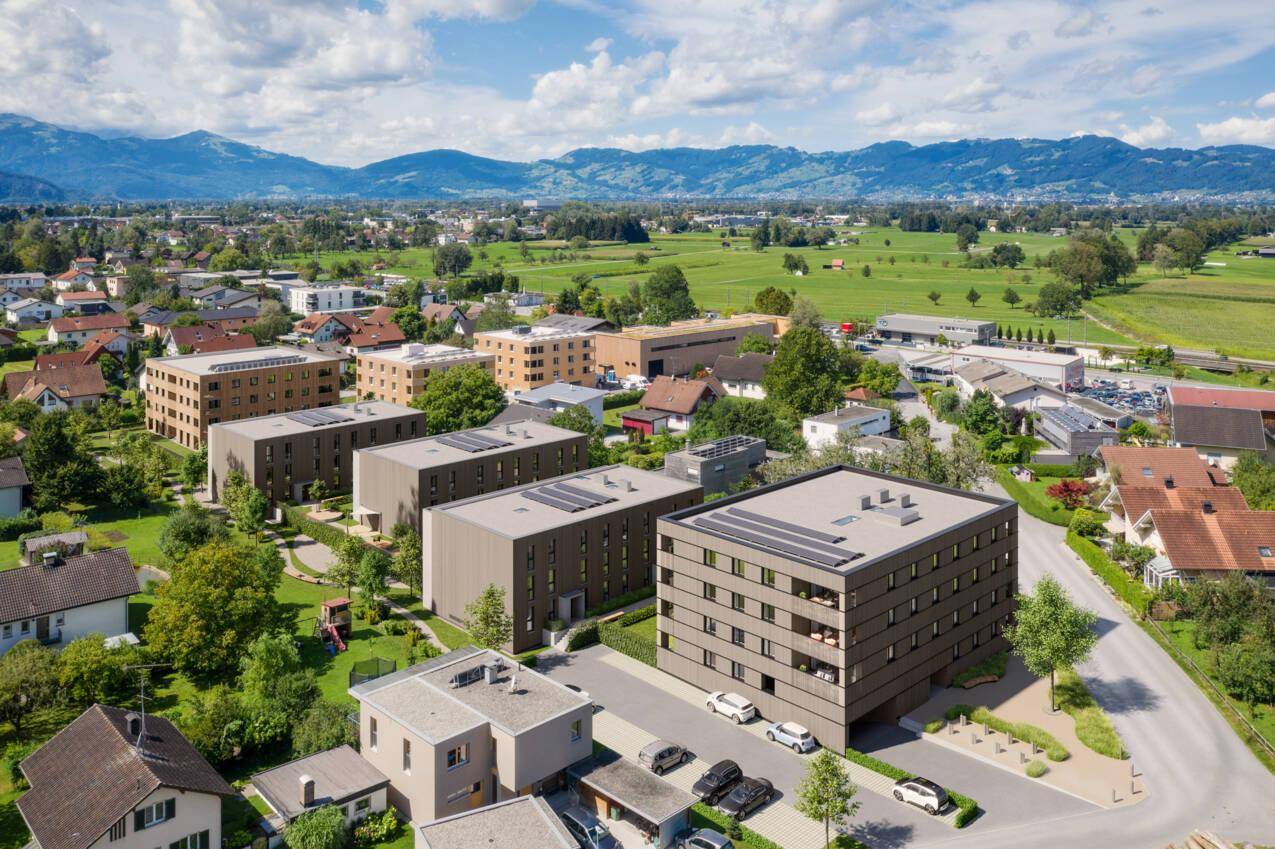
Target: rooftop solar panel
column 538, row 496
column 570, row 498
column 584, row 493
column 787, row 526
column 774, row 544
column 490, row 441
column 796, row 539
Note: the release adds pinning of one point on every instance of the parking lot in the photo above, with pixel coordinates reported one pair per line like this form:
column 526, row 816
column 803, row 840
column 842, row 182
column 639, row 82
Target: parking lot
column 882, row 822
column 1141, row 398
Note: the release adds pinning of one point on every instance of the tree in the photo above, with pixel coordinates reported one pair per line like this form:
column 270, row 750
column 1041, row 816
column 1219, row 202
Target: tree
column 124, row 485
column 804, row 313
column 732, row 416
column 1051, row 338
column 1164, row 259
column 349, row 557
column 641, row 258
column 250, row 511
column 89, row 672
column 755, row 343
column 1057, row 299
column 219, row 599
column 486, row 619
column 1050, row 632
column 1008, row 255
column 773, row 301
column 980, row 414
column 271, row 322
column 1247, row 671
column 409, row 320
column 275, row 686
column 578, row 418
column 459, row 398
column 322, row 828
column 189, row 528
column 866, row 271
column 826, row 793
column 806, row 372
column 1256, row 479
column 973, row 296
column 406, row 568
column 324, row 725
column 667, row 296
column 28, row 682
column 1010, row 297
column 451, row 260
column 215, row 723
column 60, row 466
column 934, row 297
column 228, row 259
column 966, row 236
column 1188, row 250
column 1069, row 492
column 374, row 568
column 193, row 469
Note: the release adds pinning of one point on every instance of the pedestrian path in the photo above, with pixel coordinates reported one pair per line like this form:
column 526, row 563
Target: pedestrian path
column 861, row 776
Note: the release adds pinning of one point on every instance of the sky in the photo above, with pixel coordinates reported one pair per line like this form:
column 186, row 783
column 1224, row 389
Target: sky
column 349, row 82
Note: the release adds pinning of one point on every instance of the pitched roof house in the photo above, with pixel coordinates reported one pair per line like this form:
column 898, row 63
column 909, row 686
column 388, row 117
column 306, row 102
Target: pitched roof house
column 65, row 599
column 79, row 328
column 680, row 398
column 59, row 388
column 741, row 375
column 13, row 485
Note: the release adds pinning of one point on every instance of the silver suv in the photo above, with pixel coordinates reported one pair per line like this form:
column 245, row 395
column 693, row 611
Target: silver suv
column 661, row 755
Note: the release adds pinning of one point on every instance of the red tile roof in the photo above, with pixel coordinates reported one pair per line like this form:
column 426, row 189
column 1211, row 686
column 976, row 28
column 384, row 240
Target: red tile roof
column 389, row 334
column 1137, row 500
column 1135, row 462
column 1236, row 399
column 1198, row 541
column 681, row 396
column 380, row 315
column 103, row 321
column 83, row 296
column 234, row 342
column 190, row 334
column 68, row 381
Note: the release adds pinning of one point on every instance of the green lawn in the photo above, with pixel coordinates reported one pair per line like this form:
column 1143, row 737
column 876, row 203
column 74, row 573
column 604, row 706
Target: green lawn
column 34, row 334
column 136, row 529
column 13, row 831
column 611, row 417
column 644, row 629
column 16, row 365
column 104, row 441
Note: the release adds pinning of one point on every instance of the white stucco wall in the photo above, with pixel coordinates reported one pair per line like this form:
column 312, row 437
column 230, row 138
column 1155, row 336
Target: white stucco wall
column 195, row 812
column 10, row 501
column 107, row 618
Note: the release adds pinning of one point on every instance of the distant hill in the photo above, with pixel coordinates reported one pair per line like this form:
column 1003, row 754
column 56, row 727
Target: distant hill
column 201, row 165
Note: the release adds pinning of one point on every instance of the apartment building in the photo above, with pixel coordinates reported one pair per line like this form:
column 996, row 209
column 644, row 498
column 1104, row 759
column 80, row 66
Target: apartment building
column 836, row 595
column 311, row 299
column 557, row 546
column 469, row 729
column 283, row 454
column 528, row 357
column 184, row 395
column 399, row 374
column 676, row 349
column 394, row 483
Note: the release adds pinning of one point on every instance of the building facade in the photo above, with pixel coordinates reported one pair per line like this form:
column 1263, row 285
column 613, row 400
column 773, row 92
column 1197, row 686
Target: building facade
column 311, row 299
column 718, row 465
column 1065, row 370
column 836, row 595
column 184, row 395
column 283, row 454
column 910, row 329
column 558, row 547
column 528, row 357
column 854, row 419
column 675, row 350
column 398, row 375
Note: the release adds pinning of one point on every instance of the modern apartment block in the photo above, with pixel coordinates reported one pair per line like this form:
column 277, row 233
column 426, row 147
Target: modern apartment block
column 677, row 348
column 835, row 595
column 528, row 357
column 468, row 729
column 310, row 299
column 718, row 465
column 186, row 394
column 399, row 374
column 558, row 546
column 283, row 454
column 394, row 483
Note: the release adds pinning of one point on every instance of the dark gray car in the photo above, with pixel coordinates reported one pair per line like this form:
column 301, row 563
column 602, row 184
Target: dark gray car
column 720, row 778
column 662, row 755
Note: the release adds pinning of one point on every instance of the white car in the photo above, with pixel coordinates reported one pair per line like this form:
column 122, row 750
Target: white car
column 1126, row 384
column 635, row 381
column 921, row 792
column 732, row 705
column 790, row 734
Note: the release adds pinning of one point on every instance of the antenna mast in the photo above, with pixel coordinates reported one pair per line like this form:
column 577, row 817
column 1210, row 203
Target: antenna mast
column 143, row 673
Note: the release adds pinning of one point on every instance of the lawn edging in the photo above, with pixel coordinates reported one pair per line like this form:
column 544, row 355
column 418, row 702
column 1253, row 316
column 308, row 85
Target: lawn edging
column 967, row 807
column 1126, row 589
column 1027, row 500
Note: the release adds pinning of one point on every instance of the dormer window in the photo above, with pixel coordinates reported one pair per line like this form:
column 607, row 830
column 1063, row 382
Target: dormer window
column 1264, row 551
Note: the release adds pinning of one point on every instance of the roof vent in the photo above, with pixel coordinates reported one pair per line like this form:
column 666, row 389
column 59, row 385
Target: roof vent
column 905, row 500
column 134, row 722
column 883, row 495
column 307, row 790
column 1207, row 506
column 50, row 557
column 1168, row 481
column 526, row 434
column 606, row 480
column 865, row 502
column 626, row 485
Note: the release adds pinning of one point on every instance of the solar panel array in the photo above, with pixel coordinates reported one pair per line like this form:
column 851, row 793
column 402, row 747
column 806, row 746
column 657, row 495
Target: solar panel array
column 319, row 418
column 722, row 447
column 472, row 442
column 566, row 497
column 785, row 537
column 265, row 362
column 1073, row 419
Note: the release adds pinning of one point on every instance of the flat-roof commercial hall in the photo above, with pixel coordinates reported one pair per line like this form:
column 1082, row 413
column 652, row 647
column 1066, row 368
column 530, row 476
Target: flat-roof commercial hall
column 283, row 454
column 836, row 595
column 1065, row 370
column 676, row 349
column 558, row 546
column 909, row 329
column 394, row 483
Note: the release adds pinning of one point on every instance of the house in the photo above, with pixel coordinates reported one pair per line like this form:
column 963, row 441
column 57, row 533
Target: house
column 529, row 817
column 717, row 466
column 30, row 311
column 1073, row 431
column 464, row 320
column 13, row 486
column 11, row 296
column 62, row 599
column 58, row 388
column 1219, row 434
column 157, row 322
column 230, row 342
column 680, row 398
column 644, row 422
column 680, row 348
column 860, row 395
column 852, row 419
column 1206, row 544
column 1008, row 387
column 560, row 396
column 325, row 298
column 68, row 280
column 620, row 789
column 86, row 303
column 65, row 359
column 327, row 326
column 83, row 263
column 188, row 335
column 115, row 341
column 338, row 777
column 24, row 280
column 373, row 337
column 741, row 375
column 119, row 779
column 80, row 328
column 1128, row 465
column 1103, row 412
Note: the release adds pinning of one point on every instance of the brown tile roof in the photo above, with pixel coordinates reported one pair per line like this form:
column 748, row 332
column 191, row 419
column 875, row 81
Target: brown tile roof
column 1198, row 541
column 13, row 473
column 67, row 381
column 90, row 775
column 380, row 315
column 1137, row 500
column 233, row 342
column 193, row 333
column 861, row 393
column 83, row 296
column 102, row 321
column 315, row 320
column 439, row 312
column 83, row 579
column 749, row 367
column 1219, row 427
column 681, row 396
column 389, row 334
column 44, row 362
column 1134, row 462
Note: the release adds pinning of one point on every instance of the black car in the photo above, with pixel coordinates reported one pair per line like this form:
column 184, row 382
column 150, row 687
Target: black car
column 748, row 795
column 718, row 781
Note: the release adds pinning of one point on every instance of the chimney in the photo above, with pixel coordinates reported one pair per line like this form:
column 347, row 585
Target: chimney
column 905, row 500
column 491, row 672
column 525, row 434
column 509, row 431
column 307, row 790
column 883, row 495
column 1207, row 506
column 134, row 723
column 627, row 485
column 1168, row 481
column 606, row 480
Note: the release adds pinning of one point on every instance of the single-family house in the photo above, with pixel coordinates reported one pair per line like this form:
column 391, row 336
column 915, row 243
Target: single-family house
column 680, row 398
column 68, row 280
column 327, row 326
column 11, row 296
column 1221, row 434
column 741, row 375
column 157, row 322
column 852, row 419
column 83, row 263
column 85, row 303
column 28, row 311
column 464, row 320
column 181, row 339
column 560, row 396
column 529, row 817
column 81, row 328
column 62, row 599
column 374, row 337
column 13, row 486
column 339, row 777
column 31, row 280
column 57, row 388
column 114, row 341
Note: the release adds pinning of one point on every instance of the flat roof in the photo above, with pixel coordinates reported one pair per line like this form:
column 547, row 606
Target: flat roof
column 1018, row 355
column 416, row 354
column 243, row 360
column 317, row 420
column 423, row 698
column 820, row 518
column 695, row 325
column 436, row 450
column 946, row 321
column 723, row 447
column 339, row 775
column 511, row 513
column 536, row 333
column 848, row 414
column 529, row 817
column 564, row 392
column 642, row 792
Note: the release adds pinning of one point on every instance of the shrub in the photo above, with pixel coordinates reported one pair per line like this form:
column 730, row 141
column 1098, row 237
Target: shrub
column 967, row 807
column 555, row 625
column 622, row 399
column 15, row 526
column 377, row 828
column 627, row 642
column 1092, row 725
column 398, row 627
column 934, row 726
column 1036, row 768
column 1054, row 750
column 1132, row 592
column 635, row 616
column 584, row 635
column 704, row 816
column 14, row 754
column 1032, row 504
column 1087, row 523
column 1070, row 492
column 327, row 534
column 620, row 601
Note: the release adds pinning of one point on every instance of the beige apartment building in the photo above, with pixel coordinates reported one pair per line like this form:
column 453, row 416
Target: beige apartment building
column 837, row 595
column 651, row 351
column 394, row 482
column 186, row 394
column 469, row 729
column 399, row 374
column 283, row 454
column 558, row 547
column 528, row 357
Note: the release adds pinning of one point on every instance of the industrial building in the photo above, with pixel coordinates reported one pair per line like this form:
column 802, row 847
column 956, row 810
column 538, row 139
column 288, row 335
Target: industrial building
column 910, row 329
column 1062, row 370
column 1073, row 431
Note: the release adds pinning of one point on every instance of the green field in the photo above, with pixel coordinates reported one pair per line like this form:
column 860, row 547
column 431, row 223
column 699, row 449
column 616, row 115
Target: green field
column 136, row 529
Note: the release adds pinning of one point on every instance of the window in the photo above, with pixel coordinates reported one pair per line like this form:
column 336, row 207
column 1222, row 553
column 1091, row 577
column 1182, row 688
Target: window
column 710, row 558
column 1264, row 551
column 889, row 653
column 576, row 729
column 531, row 615
column 768, row 612
column 956, row 551
column 8, row 632
column 934, row 629
column 768, row 577
column 464, row 792
column 666, row 542
column 710, row 592
column 154, row 814
column 198, row 840
column 737, row 601
column 118, row 830
column 956, row 617
column 552, row 581
column 737, row 636
column 889, row 581
column 553, row 551
column 737, row 566
column 531, row 558
column 458, row 756
column 710, row 659
column 710, row 625
column 407, row 756
column 371, row 732
column 362, row 805
column 912, row 572
column 934, row 595
column 889, row 616
column 956, row 584
column 737, row 670
column 912, row 605
column 531, row 587
column 915, row 639
column 974, row 575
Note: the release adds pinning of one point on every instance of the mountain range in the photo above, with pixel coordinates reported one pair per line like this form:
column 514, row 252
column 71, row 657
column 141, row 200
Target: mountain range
column 44, row 162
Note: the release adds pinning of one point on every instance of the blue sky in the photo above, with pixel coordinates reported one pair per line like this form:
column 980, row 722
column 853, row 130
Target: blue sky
column 352, row 81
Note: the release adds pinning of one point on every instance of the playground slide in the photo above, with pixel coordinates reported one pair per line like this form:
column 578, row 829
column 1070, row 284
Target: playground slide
column 336, row 637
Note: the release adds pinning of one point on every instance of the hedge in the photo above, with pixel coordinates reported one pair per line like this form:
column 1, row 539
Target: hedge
column 635, row 616
column 721, row 823
column 1052, row 470
column 967, row 808
column 1033, row 734
column 1132, row 592
column 625, row 641
column 17, row 526
column 318, row 531
column 1030, row 502
column 620, row 601
column 584, row 635
column 622, row 399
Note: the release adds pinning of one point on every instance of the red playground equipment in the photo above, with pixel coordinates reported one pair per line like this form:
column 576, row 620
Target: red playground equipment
column 333, row 625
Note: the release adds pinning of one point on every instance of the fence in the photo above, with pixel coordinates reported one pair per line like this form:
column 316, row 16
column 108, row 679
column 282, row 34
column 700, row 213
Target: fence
column 372, row 668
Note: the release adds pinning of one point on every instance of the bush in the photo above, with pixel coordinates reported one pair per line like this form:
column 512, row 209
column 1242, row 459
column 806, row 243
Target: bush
column 584, row 635
column 1054, row 750
column 1132, row 592
column 704, row 816
column 620, row 601
column 622, row 399
column 934, row 726
column 967, row 807
column 14, row 754
column 1051, row 470
column 398, row 627
column 1092, row 725
column 328, row 535
column 1036, row 768
column 635, row 616
column 555, row 625
column 627, row 642
column 994, row 665
column 377, row 828
column 15, row 526
column 1087, row 523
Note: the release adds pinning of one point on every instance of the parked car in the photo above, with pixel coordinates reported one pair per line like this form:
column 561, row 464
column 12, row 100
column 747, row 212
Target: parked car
column 635, row 381
column 733, row 705
column 718, row 781
column 792, row 735
column 1126, row 383
column 661, row 755
column 921, row 792
column 587, row 829
column 747, row 796
column 704, row 838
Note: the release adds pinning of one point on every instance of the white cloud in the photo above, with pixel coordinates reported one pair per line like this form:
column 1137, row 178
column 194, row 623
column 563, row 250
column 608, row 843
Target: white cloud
column 1156, row 131
column 1239, row 131
column 877, row 115
column 750, row 133
column 1266, row 101
column 927, row 130
column 1083, row 22
column 598, row 44
column 974, row 96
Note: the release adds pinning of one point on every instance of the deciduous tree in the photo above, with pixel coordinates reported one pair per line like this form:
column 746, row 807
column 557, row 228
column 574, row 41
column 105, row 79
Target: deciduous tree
column 1050, row 632
column 826, row 793
column 459, row 398
column 486, row 619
